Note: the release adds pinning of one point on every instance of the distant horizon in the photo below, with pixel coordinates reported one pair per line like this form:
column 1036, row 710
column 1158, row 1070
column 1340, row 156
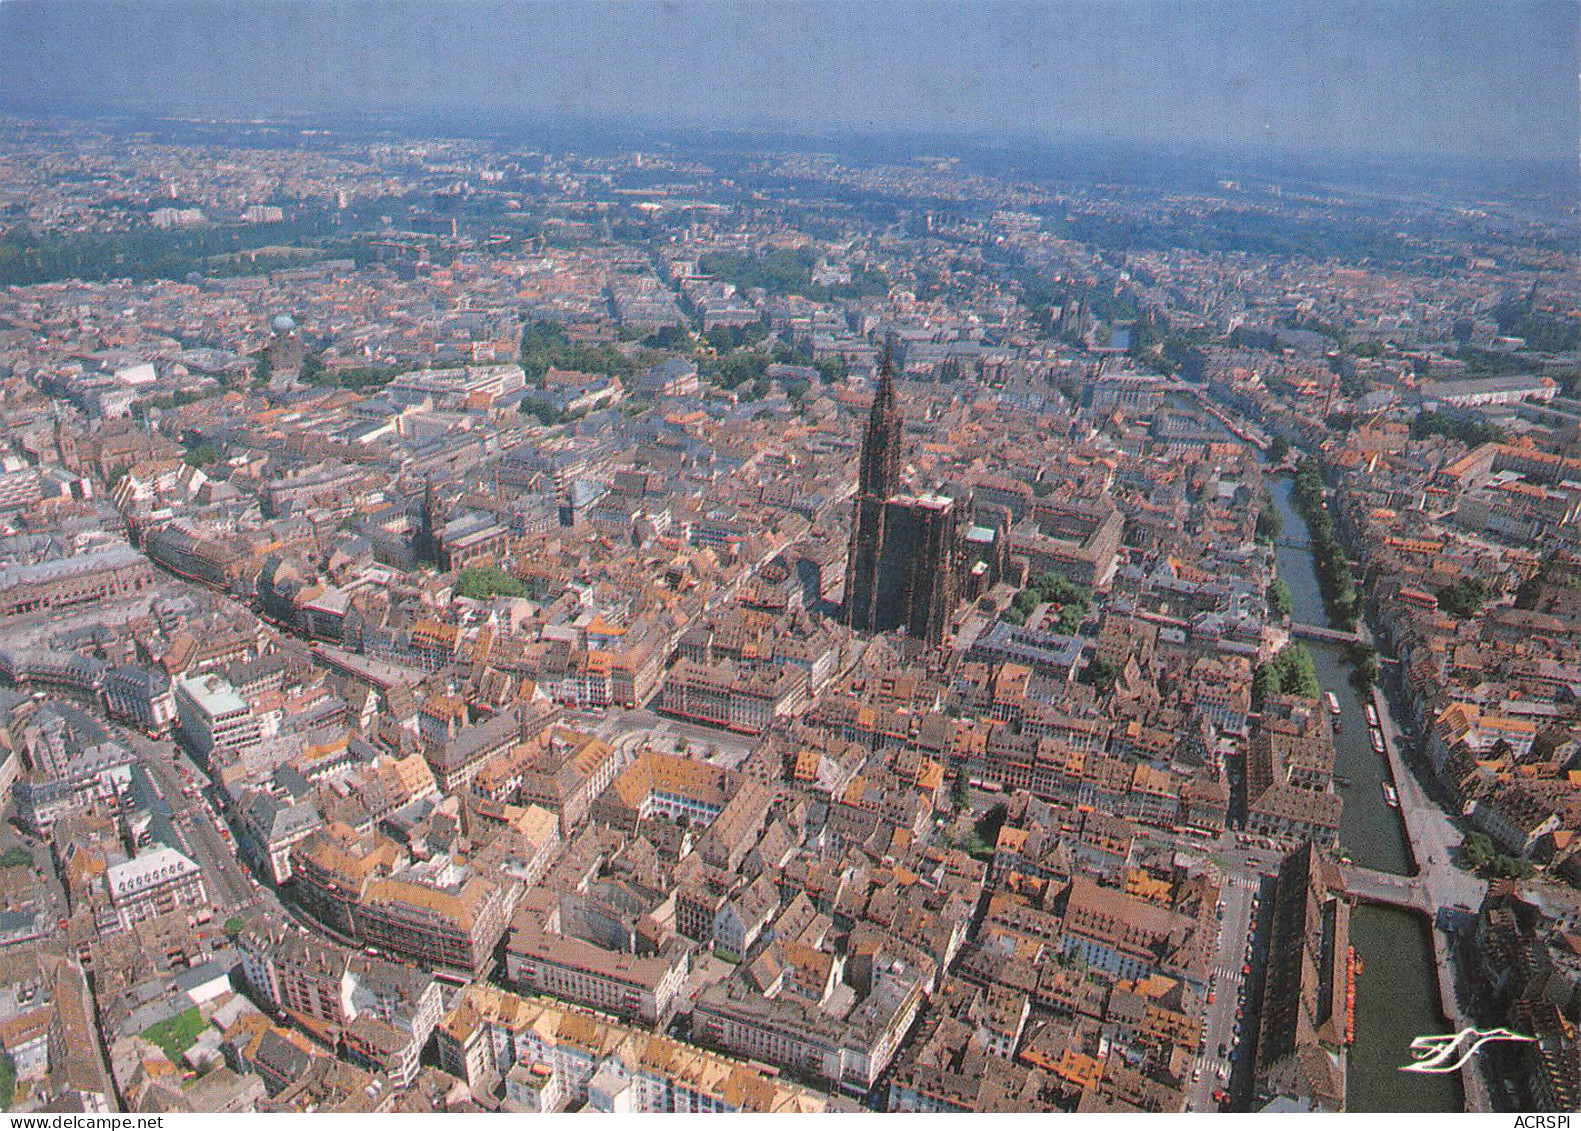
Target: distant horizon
column 1446, row 81
column 470, row 124
column 1137, row 161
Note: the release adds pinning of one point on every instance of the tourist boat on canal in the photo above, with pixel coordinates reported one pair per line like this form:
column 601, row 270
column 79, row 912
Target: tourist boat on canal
column 1333, row 703
column 1377, row 742
column 1372, row 715
column 1390, row 797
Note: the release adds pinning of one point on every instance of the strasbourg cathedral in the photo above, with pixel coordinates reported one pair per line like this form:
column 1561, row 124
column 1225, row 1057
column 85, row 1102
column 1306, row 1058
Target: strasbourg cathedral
column 912, row 559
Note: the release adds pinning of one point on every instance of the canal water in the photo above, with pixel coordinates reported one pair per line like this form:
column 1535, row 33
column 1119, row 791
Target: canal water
column 1396, row 1000
column 1369, row 830
column 1397, row 991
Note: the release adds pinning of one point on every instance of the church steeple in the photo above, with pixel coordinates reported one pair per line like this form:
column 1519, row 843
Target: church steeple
column 426, row 543
column 880, row 471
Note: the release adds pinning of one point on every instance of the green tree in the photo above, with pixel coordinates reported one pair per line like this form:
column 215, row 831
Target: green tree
column 202, row 455
column 1279, row 598
column 1270, row 523
column 1476, row 850
column 1469, row 431
column 789, row 272
column 1549, row 333
column 1463, row 598
column 1265, row 684
column 313, row 371
column 793, row 353
column 234, row 926
column 1329, row 559
column 482, row 582
column 1072, row 600
column 173, row 400
column 1278, row 449
column 1289, row 672
column 1297, row 674
column 546, row 413
column 544, row 344
column 736, row 369
column 1364, row 667
column 1504, row 867
column 145, row 253
column 669, row 338
column 1102, row 675
column 984, row 835
column 833, row 370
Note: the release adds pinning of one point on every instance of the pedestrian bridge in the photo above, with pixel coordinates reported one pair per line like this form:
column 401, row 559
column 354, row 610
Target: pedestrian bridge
column 1327, row 635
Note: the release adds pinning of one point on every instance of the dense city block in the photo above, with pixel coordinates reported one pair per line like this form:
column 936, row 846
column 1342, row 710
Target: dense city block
column 489, row 627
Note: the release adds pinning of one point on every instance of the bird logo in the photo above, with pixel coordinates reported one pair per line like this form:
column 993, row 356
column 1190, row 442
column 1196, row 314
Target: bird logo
column 1432, row 1054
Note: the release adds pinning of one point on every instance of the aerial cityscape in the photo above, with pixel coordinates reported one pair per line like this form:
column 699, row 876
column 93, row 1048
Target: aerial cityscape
column 549, row 616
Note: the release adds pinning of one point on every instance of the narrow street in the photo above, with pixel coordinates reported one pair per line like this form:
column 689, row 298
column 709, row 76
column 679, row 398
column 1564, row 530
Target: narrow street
column 232, row 886
column 1211, row 1070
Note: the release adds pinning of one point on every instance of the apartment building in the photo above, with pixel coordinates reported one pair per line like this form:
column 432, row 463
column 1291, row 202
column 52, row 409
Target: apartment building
column 552, row 1056
column 850, row 1054
column 144, row 697
column 735, row 697
column 641, row 987
column 666, row 785
column 444, row 921
column 1126, row 936
column 101, row 576
column 154, row 883
column 215, row 721
column 383, row 1012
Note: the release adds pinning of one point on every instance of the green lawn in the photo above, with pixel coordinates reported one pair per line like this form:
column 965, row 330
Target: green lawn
column 176, row 1035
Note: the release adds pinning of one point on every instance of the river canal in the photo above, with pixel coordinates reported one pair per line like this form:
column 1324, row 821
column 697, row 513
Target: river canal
column 1396, row 992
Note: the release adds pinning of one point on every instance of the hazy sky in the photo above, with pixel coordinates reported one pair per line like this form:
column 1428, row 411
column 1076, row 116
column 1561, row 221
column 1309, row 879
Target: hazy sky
column 1446, row 77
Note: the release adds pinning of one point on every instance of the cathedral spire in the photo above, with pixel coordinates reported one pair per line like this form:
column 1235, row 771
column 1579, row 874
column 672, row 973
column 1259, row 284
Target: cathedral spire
column 885, row 396
column 880, row 469
column 426, row 543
